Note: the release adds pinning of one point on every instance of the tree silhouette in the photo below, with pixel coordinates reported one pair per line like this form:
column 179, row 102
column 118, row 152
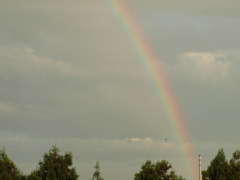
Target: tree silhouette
column 8, row 170
column 56, row 167
column 97, row 173
column 219, row 168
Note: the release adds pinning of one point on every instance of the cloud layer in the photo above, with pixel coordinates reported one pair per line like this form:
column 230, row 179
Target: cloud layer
column 207, row 64
column 70, row 76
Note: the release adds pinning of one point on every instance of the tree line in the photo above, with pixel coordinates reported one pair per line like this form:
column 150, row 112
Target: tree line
column 55, row 166
column 222, row 169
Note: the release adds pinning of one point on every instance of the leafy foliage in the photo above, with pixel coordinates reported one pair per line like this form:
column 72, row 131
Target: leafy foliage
column 55, row 167
column 205, row 175
column 97, row 173
column 8, row 170
column 59, row 167
column 147, row 172
column 33, row 176
column 235, row 165
column 219, row 168
column 161, row 170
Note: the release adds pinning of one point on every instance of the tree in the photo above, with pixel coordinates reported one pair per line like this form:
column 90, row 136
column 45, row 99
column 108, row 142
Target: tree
column 219, row 167
column 235, row 165
column 33, row 176
column 162, row 170
column 97, row 173
column 55, row 166
column 205, row 175
column 147, row 172
column 8, row 170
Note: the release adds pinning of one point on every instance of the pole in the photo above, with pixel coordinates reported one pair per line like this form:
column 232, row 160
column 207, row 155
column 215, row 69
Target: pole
column 200, row 167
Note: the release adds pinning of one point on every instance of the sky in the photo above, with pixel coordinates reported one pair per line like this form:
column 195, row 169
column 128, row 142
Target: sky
column 70, row 76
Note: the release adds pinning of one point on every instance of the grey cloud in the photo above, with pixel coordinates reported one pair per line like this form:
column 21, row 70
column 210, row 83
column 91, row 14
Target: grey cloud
column 49, row 94
column 219, row 34
column 214, row 101
column 197, row 7
column 206, row 65
column 70, row 76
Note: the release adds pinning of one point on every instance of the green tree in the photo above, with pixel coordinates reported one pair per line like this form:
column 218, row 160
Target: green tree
column 97, row 173
column 8, row 170
column 162, row 170
column 205, row 175
column 33, row 176
column 235, row 166
column 147, row 172
column 219, row 167
column 55, row 166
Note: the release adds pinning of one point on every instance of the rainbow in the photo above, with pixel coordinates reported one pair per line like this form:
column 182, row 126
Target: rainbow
column 159, row 80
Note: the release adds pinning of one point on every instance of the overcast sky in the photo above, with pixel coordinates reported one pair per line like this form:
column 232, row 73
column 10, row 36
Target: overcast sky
column 70, row 76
